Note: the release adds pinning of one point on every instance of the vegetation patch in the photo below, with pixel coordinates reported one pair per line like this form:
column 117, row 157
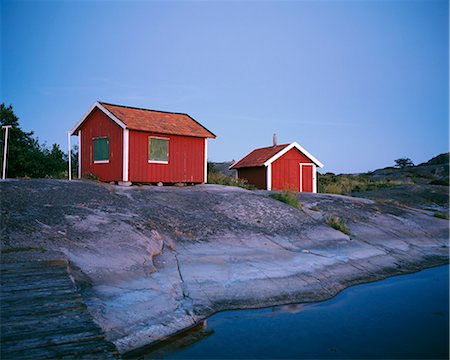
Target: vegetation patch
column 21, row 249
column 27, row 157
column 440, row 182
column 338, row 223
column 90, row 176
column 442, row 215
column 288, row 197
column 216, row 177
column 348, row 183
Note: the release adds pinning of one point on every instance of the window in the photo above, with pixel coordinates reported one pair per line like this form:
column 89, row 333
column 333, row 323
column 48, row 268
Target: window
column 158, row 150
column 101, row 150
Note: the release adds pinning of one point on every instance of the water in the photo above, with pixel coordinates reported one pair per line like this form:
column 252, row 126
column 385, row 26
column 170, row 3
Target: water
column 403, row 317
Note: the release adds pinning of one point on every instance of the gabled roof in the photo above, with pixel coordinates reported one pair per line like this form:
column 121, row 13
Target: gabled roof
column 149, row 120
column 267, row 155
column 258, row 156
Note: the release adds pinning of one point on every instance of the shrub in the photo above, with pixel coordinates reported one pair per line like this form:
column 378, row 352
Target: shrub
column 338, row 223
column 288, row 197
column 442, row 215
column 440, row 182
column 215, row 177
column 90, row 176
column 20, row 249
column 347, row 183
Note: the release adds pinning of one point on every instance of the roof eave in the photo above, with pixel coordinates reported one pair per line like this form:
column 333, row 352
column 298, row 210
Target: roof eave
column 104, row 110
column 237, row 166
column 289, row 147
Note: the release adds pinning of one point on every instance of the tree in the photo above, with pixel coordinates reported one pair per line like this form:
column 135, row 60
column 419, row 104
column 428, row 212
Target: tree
column 74, row 156
column 26, row 157
column 403, row 163
column 23, row 150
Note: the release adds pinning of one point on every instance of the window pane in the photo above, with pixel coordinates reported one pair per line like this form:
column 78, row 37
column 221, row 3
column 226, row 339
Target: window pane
column 158, row 149
column 101, row 149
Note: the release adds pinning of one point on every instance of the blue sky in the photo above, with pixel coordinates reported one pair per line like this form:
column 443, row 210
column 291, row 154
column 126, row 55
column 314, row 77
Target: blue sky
column 356, row 83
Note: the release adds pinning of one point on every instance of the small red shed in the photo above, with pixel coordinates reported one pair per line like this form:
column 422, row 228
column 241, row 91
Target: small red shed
column 123, row 143
column 280, row 167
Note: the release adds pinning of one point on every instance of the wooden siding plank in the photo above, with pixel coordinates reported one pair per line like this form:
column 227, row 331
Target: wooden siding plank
column 254, row 175
column 286, row 170
column 186, row 159
column 97, row 125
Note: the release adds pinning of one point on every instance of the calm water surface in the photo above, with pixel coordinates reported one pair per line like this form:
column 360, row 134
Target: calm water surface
column 404, row 316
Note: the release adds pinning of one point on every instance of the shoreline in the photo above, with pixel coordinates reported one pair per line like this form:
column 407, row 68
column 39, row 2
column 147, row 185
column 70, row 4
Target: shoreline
column 265, row 303
column 151, row 261
column 185, row 332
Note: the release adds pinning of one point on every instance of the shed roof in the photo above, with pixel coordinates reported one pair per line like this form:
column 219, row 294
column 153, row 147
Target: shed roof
column 258, row 156
column 267, row 155
column 162, row 122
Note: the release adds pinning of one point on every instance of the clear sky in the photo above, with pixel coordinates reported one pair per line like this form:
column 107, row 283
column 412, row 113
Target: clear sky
column 357, row 83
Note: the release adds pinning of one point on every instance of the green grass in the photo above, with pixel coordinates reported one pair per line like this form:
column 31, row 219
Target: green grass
column 222, row 179
column 21, row 249
column 338, row 223
column 288, row 197
column 90, row 176
column 440, row 182
column 347, row 183
column 442, row 215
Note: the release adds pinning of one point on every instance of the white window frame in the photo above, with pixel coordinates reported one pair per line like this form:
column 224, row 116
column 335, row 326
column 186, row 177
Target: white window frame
column 93, row 151
column 158, row 161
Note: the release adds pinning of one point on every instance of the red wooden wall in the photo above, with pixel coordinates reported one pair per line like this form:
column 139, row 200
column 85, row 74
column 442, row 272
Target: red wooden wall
column 254, row 175
column 100, row 125
column 186, row 159
column 286, row 171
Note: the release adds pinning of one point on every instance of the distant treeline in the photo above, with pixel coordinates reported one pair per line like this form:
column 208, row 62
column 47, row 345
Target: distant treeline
column 26, row 156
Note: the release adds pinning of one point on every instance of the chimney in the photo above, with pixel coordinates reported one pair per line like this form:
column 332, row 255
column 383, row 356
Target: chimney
column 274, row 140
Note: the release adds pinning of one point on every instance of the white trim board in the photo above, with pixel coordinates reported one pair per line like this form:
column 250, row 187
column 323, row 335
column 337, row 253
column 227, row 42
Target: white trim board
column 102, row 108
column 206, row 162
column 269, row 177
column 79, row 154
column 299, row 148
column 126, row 150
column 313, row 173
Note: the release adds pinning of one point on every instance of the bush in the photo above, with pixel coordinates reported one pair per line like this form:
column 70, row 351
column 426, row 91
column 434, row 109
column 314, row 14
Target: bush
column 346, row 184
column 215, row 177
column 90, row 176
column 442, row 215
column 338, row 223
column 440, row 182
column 288, row 197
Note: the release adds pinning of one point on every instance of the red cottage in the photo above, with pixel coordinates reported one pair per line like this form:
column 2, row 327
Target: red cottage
column 122, row 143
column 280, row 167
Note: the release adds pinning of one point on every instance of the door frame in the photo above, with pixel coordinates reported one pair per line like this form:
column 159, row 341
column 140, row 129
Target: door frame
column 314, row 176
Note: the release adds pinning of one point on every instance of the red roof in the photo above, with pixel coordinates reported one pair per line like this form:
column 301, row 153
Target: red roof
column 258, row 156
column 158, row 121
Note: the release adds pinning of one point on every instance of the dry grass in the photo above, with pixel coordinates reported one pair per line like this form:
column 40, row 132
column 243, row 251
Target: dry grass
column 346, row 184
column 338, row 223
column 222, row 179
column 21, row 249
column 442, row 215
column 288, row 197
